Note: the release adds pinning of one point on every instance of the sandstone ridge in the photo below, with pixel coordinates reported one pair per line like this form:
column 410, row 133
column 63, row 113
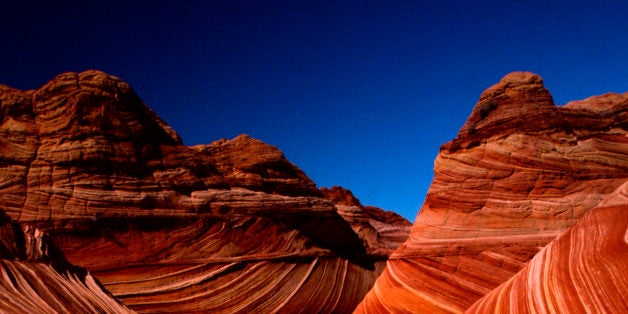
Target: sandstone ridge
column 232, row 226
column 520, row 173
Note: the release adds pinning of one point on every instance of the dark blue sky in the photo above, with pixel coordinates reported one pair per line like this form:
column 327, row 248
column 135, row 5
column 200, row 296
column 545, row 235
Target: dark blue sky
column 356, row 93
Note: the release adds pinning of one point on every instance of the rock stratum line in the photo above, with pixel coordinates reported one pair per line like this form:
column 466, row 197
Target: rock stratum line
column 494, row 232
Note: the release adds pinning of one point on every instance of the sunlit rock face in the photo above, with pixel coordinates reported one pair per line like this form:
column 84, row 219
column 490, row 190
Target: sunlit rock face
column 231, row 227
column 520, row 172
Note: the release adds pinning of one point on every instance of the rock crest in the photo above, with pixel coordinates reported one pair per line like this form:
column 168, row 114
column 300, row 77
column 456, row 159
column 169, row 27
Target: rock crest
column 519, row 103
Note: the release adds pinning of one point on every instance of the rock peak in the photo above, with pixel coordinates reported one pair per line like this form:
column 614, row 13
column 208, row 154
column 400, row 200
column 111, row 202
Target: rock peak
column 253, row 164
column 515, row 82
column 518, row 103
column 521, row 77
column 95, row 103
column 341, row 196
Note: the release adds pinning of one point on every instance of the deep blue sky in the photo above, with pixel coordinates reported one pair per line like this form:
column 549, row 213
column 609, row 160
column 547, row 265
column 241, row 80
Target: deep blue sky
column 356, row 93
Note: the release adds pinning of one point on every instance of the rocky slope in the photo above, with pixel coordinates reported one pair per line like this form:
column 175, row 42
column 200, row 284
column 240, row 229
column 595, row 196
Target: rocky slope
column 227, row 227
column 519, row 174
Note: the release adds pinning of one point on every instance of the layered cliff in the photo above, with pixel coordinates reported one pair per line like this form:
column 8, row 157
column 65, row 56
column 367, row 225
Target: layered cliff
column 232, row 226
column 520, row 173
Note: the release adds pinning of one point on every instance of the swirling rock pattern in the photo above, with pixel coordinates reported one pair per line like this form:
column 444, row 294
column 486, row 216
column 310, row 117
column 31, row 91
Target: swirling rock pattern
column 36, row 278
column 520, row 172
column 582, row 271
column 228, row 227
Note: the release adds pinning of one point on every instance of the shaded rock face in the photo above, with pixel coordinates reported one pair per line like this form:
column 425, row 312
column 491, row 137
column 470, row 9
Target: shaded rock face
column 381, row 231
column 520, row 172
column 341, row 196
column 232, row 226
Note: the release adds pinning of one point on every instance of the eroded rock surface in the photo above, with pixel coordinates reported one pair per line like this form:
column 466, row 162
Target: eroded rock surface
column 520, row 172
column 227, row 227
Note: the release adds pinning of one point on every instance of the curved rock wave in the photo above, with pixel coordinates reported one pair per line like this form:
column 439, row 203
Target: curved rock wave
column 36, row 278
column 582, row 271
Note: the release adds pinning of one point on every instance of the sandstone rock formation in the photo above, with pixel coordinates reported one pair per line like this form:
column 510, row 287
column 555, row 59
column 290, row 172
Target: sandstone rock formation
column 227, row 227
column 519, row 174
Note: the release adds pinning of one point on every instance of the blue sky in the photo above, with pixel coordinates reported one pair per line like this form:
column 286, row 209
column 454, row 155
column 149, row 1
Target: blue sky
column 356, row 93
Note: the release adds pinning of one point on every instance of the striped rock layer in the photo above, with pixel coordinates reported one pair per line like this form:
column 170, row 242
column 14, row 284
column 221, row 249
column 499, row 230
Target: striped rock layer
column 36, row 278
column 228, row 227
column 582, row 271
column 519, row 174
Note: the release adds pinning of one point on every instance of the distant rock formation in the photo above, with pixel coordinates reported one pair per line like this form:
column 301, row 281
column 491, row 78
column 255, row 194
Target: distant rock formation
column 381, row 231
column 495, row 232
column 232, row 226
